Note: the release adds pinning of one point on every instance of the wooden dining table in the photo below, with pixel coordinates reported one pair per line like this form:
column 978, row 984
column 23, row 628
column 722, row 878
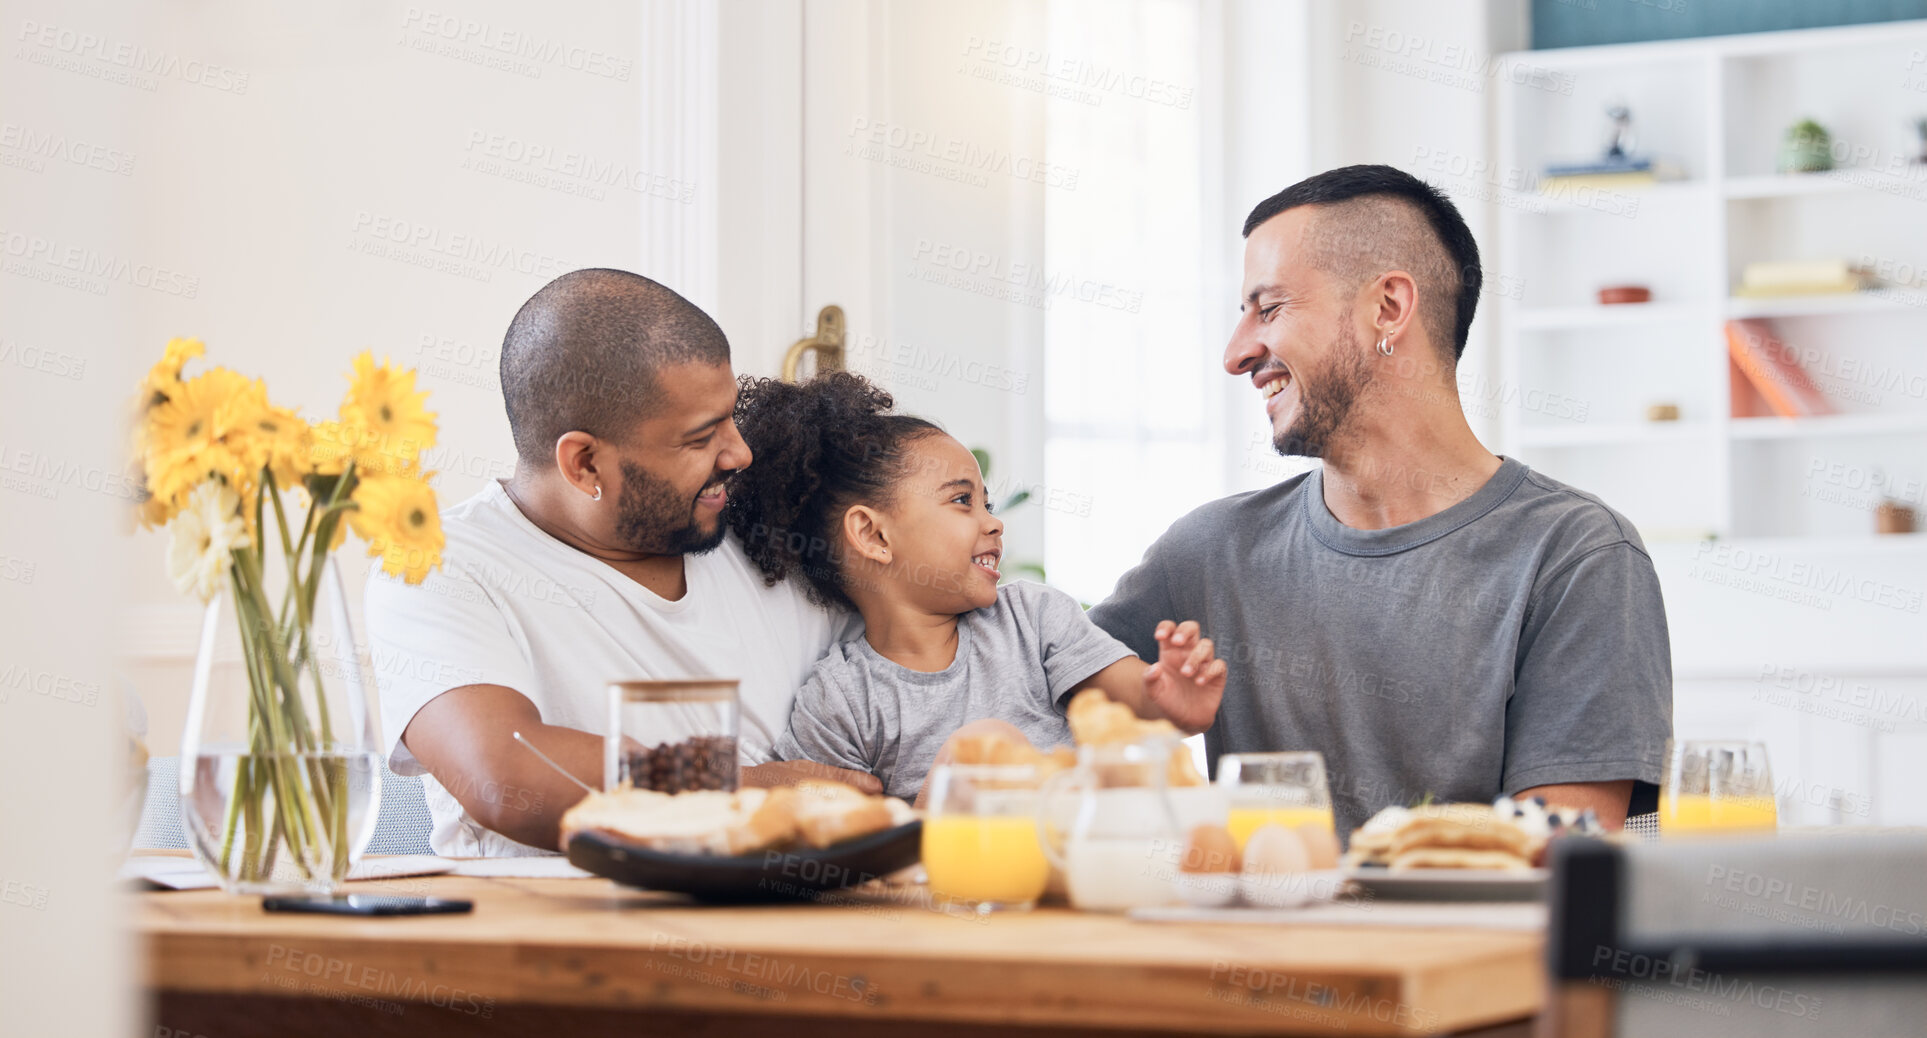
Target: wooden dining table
column 586, row 957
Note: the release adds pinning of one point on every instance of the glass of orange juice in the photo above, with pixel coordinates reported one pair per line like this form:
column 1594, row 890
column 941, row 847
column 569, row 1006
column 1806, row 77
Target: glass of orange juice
column 1717, row 786
column 980, row 846
column 1287, row 789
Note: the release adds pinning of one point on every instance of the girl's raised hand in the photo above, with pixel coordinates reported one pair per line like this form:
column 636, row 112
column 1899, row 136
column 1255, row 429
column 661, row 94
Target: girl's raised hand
column 1186, row 684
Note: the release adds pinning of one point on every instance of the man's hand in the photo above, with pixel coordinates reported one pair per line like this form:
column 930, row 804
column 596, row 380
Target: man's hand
column 790, row 772
column 1186, row 684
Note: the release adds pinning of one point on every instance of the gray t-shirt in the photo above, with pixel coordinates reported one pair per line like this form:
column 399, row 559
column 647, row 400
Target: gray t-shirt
column 1515, row 639
column 1015, row 662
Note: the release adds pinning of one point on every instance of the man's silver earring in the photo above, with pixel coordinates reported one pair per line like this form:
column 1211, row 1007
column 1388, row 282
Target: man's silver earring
column 597, row 496
column 1385, row 345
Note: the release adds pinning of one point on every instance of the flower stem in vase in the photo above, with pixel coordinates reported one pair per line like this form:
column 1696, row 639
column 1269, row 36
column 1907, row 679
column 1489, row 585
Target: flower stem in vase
column 287, row 737
column 233, row 817
column 251, row 818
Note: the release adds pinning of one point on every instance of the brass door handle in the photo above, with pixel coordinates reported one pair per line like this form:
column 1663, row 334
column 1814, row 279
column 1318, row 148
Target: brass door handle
column 827, row 344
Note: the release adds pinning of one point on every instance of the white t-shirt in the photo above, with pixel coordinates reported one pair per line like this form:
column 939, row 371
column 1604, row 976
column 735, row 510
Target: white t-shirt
column 513, row 606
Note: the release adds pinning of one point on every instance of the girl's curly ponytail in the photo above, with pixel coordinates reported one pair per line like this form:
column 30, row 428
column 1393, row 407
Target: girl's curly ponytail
column 819, row 447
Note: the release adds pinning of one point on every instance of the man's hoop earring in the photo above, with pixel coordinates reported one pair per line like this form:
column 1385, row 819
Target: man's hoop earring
column 597, row 496
column 1385, row 346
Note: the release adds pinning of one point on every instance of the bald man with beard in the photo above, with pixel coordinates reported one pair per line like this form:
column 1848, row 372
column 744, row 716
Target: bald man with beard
column 1436, row 620
column 605, row 557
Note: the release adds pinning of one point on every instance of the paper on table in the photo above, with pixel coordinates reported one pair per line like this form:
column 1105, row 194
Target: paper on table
column 533, row 867
column 170, row 873
column 1521, row 915
column 177, row 873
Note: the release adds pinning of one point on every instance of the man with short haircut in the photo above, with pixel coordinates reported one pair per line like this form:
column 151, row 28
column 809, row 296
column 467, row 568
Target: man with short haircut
column 1437, row 621
column 603, row 558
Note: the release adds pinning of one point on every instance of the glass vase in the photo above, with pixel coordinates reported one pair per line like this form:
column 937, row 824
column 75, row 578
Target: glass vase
column 280, row 775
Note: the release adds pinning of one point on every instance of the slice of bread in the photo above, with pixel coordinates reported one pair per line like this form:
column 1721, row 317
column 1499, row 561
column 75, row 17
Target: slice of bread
column 831, row 812
column 1097, row 720
column 820, row 813
column 705, row 822
column 771, row 825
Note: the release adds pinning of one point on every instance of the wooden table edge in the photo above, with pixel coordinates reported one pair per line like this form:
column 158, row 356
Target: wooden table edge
column 912, row 985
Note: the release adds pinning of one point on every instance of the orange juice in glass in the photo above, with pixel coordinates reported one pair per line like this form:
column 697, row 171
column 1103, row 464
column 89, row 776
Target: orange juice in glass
column 1286, row 789
column 980, row 846
column 1717, row 786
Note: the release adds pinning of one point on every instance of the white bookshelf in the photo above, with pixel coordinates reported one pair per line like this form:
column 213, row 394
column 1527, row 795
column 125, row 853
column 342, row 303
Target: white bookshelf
column 1901, row 301
column 1761, row 529
column 1717, row 108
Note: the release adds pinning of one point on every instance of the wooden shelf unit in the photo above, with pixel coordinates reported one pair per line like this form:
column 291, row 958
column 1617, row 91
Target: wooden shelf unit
column 1717, row 108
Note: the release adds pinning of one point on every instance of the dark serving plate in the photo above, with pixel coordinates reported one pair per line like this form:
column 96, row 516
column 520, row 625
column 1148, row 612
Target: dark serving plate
column 1451, row 884
column 804, row 874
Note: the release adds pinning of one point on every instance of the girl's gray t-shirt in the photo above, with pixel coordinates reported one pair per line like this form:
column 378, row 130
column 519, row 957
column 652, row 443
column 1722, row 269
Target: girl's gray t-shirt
column 1016, row 661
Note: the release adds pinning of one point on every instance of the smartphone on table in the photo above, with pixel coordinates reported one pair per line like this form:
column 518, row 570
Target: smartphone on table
column 368, row 904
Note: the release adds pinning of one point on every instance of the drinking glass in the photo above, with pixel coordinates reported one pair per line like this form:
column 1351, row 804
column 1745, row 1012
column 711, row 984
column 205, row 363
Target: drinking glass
column 980, row 845
column 1287, row 789
column 1717, row 785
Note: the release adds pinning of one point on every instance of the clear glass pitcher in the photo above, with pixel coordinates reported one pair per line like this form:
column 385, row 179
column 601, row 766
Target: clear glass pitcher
column 1111, row 825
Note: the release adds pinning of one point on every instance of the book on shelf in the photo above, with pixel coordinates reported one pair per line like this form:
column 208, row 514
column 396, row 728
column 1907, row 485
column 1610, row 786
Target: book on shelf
column 1779, row 279
column 1607, row 174
column 1766, row 371
column 1598, row 181
column 1604, row 165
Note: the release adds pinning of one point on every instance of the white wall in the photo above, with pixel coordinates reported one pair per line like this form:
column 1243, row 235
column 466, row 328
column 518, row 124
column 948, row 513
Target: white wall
column 401, row 180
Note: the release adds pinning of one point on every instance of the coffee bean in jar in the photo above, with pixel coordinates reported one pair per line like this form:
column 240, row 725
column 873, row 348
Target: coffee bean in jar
column 701, row 762
column 672, row 735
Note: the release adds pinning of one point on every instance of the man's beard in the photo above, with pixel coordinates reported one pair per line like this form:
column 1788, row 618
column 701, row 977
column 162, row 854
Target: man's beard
column 1325, row 402
column 653, row 518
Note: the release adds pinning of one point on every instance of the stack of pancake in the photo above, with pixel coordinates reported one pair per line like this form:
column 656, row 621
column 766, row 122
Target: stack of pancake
column 1507, row 835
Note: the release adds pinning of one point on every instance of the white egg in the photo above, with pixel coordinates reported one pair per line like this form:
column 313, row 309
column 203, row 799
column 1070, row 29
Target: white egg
column 1274, row 849
column 1320, row 844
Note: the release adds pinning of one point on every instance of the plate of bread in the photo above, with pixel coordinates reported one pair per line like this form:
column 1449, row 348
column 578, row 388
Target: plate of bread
column 789, row 843
column 1461, row 852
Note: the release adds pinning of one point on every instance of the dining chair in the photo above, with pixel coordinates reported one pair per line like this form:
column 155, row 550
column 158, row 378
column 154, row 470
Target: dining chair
column 1755, row 936
column 402, row 825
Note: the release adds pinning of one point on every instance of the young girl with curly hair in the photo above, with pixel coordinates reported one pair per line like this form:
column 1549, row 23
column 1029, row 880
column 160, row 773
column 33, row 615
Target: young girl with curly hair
column 887, row 514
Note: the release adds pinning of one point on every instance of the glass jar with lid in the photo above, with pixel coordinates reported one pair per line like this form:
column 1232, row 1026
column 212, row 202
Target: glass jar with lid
column 673, row 735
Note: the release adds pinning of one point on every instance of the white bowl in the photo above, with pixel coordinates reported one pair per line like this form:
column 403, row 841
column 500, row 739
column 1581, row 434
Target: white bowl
column 1207, row 889
column 1290, row 889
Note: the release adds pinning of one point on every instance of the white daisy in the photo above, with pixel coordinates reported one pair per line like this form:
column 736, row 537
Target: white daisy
column 201, row 537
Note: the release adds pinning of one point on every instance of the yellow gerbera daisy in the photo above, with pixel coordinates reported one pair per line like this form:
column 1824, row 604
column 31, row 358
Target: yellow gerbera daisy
column 280, row 441
column 383, row 403
column 397, row 517
column 202, row 429
column 153, row 511
column 164, row 377
column 332, row 444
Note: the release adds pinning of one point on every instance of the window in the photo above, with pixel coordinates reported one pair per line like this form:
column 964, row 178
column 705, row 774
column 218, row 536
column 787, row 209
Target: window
column 1130, row 431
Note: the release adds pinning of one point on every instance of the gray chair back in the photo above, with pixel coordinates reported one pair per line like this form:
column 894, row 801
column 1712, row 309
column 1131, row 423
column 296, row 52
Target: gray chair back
column 401, row 827
column 1749, row 937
